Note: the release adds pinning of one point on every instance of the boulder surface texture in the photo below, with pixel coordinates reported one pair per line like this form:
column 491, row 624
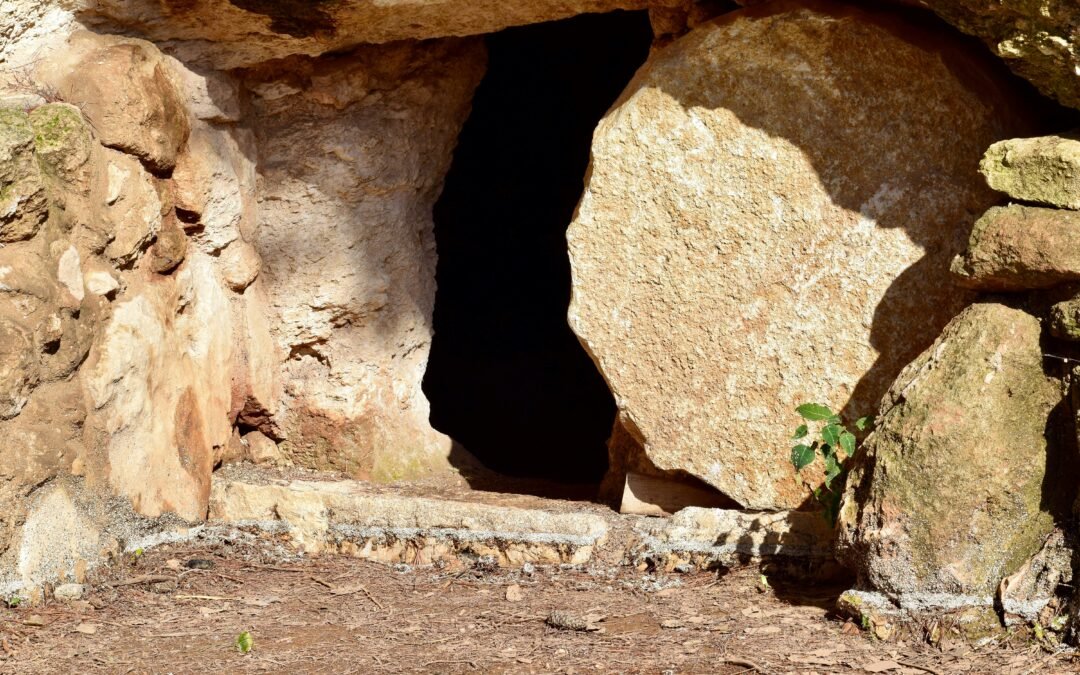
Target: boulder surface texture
column 955, row 489
column 1021, row 247
column 772, row 200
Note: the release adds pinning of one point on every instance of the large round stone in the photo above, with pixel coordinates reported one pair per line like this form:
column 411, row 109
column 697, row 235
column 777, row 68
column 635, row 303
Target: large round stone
column 768, row 220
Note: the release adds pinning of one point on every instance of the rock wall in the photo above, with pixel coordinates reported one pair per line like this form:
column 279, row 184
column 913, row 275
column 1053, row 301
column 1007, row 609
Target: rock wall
column 352, row 154
column 200, row 266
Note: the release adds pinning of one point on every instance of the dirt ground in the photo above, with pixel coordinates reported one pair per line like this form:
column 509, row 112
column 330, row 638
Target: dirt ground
column 180, row 608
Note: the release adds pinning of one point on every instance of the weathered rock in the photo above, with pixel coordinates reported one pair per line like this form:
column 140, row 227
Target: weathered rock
column 730, row 262
column 64, row 144
column 211, row 95
column 347, row 184
column 18, row 367
column 263, row 450
column 357, row 519
column 1044, row 169
column 256, row 362
column 229, row 34
column 133, row 208
column 956, row 488
column 1018, row 247
column 240, row 264
column 1039, row 40
column 22, row 196
column 124, row 88
column 158, row 382
column 170, row 248
column 69, row 592
column 1065, row 319
column 209, row 186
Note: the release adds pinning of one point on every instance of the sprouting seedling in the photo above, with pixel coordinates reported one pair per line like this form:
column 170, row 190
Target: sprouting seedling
column 833, row 439
column 244, row 642
column 14, row 601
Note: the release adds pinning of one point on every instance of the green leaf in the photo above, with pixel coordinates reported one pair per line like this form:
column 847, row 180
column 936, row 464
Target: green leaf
column 835, row 419
column 244, row 642
column 815, row 412
column 800, row 432
column 847, row 442
column 801, row 455
column 831, row 434
column 864, row 423
column 832, row 470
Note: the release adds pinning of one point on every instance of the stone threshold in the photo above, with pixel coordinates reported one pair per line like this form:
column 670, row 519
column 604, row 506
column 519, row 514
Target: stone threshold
column 397, row 525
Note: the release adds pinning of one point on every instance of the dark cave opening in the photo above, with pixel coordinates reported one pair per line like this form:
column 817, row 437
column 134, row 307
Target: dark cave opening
column 507, row 379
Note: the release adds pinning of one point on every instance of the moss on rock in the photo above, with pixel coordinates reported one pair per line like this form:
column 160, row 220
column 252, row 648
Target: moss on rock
column 949, row 496
column 1044, row 169
column 62, row 139
column 22, row 196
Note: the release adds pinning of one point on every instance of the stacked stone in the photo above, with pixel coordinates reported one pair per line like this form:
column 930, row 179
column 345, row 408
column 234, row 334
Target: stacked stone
column 955, row 500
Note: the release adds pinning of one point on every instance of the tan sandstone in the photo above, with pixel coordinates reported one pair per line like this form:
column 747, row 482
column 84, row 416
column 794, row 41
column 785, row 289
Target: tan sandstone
column 757, row 232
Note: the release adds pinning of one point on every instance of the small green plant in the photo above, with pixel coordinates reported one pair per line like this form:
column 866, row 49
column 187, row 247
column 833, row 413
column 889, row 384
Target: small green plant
column 13, row 602
column 833, row 438
column 244, row 642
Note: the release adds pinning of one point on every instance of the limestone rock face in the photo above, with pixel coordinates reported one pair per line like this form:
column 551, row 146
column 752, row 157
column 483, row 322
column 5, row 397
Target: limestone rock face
column 951, row 495
column 1044, row 169
column 350, row 168
column 1039, row 40
column 1021, row 247
column 138, row 109
column 234, row 33
column 758, row 230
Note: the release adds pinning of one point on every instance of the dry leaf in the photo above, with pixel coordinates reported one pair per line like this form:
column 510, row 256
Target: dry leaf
column 672, row 623
column 514, row 593
column 34, row 620
column 86, row 628
column 173, row 564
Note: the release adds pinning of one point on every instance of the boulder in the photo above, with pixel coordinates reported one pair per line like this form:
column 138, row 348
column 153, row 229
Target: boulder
column 124, row 88
column 958, row 485
column 1044, row 169
column 1018, row 247
column 23, row 207
column 758, row 229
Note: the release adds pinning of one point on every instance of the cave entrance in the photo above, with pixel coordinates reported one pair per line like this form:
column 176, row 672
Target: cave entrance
column 507, row 379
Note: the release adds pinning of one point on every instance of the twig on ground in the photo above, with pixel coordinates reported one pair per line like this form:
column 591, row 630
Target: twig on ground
column 203, row 597
column 142, row 579
column 749, row 665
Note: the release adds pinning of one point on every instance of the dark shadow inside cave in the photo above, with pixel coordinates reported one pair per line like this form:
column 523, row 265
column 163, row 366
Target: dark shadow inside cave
column 507, row 379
